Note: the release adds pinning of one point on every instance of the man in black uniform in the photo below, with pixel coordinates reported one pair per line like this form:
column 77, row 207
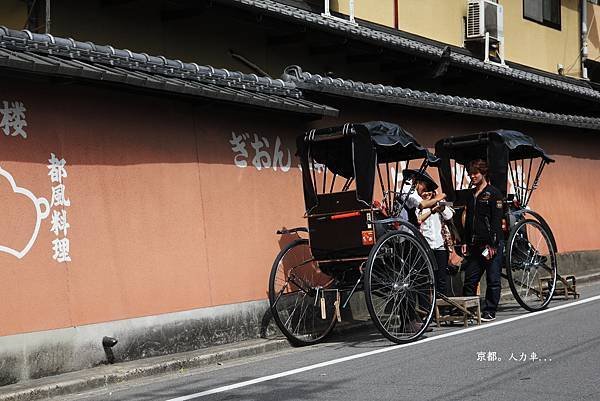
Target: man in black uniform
column 484, row 238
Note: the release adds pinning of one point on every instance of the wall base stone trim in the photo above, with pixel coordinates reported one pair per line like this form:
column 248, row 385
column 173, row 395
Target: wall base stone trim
column 34, row 355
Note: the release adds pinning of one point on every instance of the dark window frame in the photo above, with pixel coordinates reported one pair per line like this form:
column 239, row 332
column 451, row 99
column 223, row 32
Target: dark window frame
column 546, row 22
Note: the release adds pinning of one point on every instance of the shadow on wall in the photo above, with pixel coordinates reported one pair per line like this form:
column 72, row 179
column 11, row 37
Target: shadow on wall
column 429, row 126
column 98, row 126
column 109, row 127
column 267, row 323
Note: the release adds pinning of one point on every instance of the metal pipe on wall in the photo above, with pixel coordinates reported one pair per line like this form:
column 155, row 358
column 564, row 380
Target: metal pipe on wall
column 395, row 14
column 47, row 16
column 584, row 31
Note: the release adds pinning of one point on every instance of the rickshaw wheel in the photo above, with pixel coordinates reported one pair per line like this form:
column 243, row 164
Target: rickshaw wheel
column 530, row 257
column 399, row 286
column 301, row 296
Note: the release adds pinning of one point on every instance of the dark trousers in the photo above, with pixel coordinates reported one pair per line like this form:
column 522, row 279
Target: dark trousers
column 441, row 273
column 475, row 265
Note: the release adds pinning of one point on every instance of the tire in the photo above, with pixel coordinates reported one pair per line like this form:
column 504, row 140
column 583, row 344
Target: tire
column 296, row 287
column 400, row 287
column 531, row 257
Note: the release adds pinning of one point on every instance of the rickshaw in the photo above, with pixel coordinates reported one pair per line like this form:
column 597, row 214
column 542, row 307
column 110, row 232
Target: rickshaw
column 355, row 242
column 515, row 163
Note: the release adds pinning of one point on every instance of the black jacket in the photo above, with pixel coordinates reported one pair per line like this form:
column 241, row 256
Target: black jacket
column 483, row 225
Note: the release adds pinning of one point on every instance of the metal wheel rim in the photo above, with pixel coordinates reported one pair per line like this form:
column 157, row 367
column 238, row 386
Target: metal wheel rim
column 295, row 299
column 528, row 259
column 407, row 317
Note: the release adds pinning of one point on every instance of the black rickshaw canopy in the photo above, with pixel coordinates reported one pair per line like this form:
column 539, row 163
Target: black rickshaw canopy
column 498, row 147
column 517, row 145
column 353, row 151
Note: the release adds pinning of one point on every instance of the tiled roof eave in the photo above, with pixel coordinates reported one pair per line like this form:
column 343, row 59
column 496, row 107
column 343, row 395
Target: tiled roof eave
column 276, row 102
column 433, row 101
column 407, row 45
column 44, row 54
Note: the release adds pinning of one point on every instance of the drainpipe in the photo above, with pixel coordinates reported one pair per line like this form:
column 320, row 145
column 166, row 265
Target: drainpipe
column 47, row 16
column 395, row 13
column 584, row 32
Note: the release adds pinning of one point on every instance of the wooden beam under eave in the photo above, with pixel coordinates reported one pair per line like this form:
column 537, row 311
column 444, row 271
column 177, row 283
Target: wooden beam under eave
column 274, row 40
column 374, row 57
column 115, row 3
column 172, row 15
column 332, row 48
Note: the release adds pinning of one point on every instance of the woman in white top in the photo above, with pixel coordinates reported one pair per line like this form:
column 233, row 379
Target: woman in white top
column 430, row 216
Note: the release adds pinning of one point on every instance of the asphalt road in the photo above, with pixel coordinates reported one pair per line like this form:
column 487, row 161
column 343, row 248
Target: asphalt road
column 553, row 355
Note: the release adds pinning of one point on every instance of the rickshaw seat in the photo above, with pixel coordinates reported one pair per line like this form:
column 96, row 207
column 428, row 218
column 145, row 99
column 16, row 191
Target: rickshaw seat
column 339, row 238
column 460, row 203
column 461, row 196
column 337, row 202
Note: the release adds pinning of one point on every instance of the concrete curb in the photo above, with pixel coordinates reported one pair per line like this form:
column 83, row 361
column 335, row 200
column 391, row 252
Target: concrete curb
column 588, row 277
column 101, row 376
column 93, row 378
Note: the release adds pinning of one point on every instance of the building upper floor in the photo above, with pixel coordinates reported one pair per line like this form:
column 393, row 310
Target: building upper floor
column 416, row 44
column 542, row 34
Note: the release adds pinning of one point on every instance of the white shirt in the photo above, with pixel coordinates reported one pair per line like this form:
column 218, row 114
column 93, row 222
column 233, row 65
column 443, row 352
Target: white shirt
column 413, row 201
column 431, row 228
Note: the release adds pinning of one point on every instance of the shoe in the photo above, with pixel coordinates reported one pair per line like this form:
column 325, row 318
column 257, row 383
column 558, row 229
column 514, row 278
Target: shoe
column 488, row 317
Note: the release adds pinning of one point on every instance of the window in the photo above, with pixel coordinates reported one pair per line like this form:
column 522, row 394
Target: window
column 546, row 12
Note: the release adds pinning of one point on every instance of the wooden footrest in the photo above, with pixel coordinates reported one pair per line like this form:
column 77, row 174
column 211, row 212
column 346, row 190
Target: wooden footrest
column 463, row 304
column 565, row 286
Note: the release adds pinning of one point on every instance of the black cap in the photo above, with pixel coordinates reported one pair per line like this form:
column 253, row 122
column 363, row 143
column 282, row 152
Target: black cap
column 420, row 176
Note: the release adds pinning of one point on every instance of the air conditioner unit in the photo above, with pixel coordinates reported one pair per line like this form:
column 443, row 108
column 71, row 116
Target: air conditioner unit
column 350, row 20
column 485, row 16
column 485, row 23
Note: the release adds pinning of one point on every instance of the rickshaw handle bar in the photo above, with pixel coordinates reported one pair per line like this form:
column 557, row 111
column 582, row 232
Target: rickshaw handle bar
column 325, row 137
column 453, row 145
column 292, row 230
column 388, row 220
column 328, row 134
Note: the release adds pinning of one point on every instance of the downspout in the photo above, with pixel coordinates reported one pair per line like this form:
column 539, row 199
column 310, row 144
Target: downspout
column 395, row 14
column 584, row 32
column 47, row 16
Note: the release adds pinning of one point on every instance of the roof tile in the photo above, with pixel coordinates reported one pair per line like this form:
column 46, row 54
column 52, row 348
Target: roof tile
column 428, row 100
column 580, row 89
column 44, row 53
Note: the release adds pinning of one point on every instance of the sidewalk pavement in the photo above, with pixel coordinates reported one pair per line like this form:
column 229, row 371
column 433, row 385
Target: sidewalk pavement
column 93, row 378
column 89, row 379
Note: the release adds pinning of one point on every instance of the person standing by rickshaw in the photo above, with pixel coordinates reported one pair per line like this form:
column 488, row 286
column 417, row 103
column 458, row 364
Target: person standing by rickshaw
column 431, row 215
column 484, row 238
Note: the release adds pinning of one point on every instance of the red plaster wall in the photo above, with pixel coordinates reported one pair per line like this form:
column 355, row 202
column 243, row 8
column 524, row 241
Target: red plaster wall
column 162, row 220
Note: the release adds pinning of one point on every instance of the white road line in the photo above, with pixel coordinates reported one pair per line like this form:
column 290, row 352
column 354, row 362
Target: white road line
column 375, row 352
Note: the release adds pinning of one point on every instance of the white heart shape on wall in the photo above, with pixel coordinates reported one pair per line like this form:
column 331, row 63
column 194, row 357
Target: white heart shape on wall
column 41, row 215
